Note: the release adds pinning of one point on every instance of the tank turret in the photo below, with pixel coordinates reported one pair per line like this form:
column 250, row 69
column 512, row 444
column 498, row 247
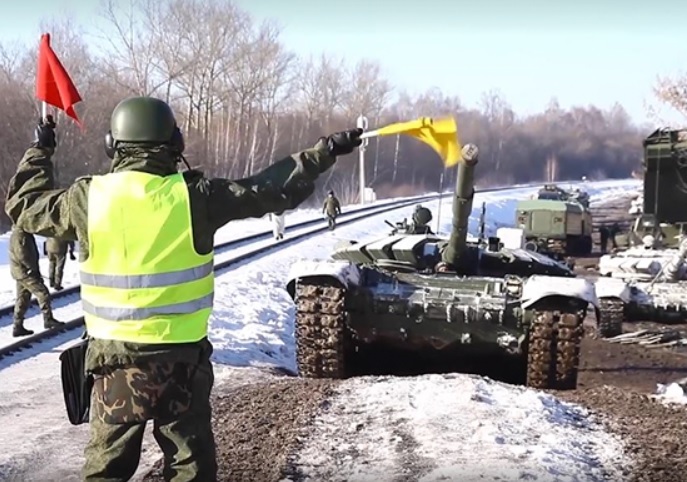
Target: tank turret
column 462, row 206
column 439, row 299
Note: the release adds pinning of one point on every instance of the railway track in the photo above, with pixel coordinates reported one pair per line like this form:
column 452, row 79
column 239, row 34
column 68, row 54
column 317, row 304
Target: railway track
column 350, row 217
column 221, row 247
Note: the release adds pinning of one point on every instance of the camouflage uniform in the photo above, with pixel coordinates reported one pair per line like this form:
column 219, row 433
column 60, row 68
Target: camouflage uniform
column 56, row 250
column 332, row 208
column 603, row 235
column 25, row 270
column 612, row 233
column 167, row 383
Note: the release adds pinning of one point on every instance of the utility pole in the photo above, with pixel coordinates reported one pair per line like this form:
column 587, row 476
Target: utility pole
column 362, row 124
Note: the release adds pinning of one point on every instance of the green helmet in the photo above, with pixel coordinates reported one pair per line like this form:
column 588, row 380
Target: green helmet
column 145, row 120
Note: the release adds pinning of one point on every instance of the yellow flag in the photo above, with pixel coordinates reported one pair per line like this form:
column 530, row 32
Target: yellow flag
column 440, row 134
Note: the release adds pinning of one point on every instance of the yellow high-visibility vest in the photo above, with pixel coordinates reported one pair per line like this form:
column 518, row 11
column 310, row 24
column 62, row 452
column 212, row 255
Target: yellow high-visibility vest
column 143, row 281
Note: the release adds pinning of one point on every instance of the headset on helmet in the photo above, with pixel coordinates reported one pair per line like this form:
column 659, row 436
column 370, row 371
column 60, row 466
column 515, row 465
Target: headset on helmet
column 176, row 142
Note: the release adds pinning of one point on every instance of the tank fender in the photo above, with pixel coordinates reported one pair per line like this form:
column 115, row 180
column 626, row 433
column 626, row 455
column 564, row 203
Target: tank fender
column 613, row 288
column 345, row 272
column 538, row 287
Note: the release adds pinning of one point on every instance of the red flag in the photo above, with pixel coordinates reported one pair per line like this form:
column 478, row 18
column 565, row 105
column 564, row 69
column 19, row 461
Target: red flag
column 53, row 84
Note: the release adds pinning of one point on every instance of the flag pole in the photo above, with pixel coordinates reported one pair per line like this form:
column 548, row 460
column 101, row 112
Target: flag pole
column 44, row 110
column 362, row 123
column 368, row 134
column 441, row 195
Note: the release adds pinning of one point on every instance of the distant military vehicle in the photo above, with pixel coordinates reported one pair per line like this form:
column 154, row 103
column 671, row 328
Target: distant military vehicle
column 651, row 273
column 557, row 223
column 443, row 298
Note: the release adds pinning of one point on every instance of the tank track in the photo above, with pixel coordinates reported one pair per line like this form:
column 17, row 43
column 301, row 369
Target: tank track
column 323, row 344
column 553, row 351
column 612, row 314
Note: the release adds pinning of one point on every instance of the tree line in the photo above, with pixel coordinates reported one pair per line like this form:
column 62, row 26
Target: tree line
column 242, row 99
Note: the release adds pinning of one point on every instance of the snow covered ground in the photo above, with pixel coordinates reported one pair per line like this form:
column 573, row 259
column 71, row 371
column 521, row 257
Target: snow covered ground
column 500, row 213
column 252, row 326
column 454, row 427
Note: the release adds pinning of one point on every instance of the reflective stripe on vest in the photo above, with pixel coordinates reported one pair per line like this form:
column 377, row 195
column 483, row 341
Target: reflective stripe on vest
column 143, row 281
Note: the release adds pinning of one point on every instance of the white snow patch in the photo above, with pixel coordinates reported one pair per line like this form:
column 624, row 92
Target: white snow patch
column 672, row 393
column 454, row 427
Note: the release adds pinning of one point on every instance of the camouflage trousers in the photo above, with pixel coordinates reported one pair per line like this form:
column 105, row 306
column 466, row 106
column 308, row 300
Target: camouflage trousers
column 331, row 221
column 176, row 397
column 56, row 268
column 27, row 287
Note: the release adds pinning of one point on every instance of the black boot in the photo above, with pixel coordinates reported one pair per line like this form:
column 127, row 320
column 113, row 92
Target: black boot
column 50, row 323
column 19, row 330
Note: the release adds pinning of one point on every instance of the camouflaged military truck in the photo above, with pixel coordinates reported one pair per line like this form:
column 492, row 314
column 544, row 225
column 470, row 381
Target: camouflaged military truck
column 557, row 223
column 445, row 298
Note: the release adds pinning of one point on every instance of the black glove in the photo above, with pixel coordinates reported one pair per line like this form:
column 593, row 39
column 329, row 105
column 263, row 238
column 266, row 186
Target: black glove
column 342, row 143
column 72, row 257
column 44, row 135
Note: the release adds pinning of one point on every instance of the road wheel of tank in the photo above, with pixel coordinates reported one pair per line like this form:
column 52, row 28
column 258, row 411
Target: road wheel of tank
column 611, row 315
column 553, row 350
column 531, row 246
column 323, row 343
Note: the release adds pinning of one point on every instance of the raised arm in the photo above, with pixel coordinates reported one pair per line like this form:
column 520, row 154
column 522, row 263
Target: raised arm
column 32, row 203
column 281, row 186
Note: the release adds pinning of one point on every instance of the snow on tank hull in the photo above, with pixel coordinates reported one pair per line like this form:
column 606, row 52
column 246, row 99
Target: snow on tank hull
column 346, row 305
column 642, row 300
column 637, row 263
column 654, row 281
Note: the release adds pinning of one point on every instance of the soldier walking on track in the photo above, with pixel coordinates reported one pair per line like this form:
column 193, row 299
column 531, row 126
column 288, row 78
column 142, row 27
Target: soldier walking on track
column 146, row 236
column 25, row 270
column 56, row 250
column 277, row 225
column 331, row 208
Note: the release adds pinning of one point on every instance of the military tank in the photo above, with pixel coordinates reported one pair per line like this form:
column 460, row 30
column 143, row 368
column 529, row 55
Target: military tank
column 445, row 298
column 648, row 280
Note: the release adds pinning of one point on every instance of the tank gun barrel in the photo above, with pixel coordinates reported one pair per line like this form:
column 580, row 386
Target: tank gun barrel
column 671, row 271
column 462, row 205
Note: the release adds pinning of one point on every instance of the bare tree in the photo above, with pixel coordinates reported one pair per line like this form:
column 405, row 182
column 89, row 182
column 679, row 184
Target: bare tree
column 672, row 92
column 242, row 99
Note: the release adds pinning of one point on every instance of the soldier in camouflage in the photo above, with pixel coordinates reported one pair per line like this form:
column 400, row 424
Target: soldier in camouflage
column 56, row 250
column 168, row 383
column 331, row 209
column 26, row 272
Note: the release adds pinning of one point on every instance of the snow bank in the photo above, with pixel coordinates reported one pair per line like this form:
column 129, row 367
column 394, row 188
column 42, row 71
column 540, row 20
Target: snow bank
column 454, row 427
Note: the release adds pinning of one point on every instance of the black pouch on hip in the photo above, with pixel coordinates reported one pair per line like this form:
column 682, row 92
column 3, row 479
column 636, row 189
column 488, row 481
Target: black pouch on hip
column 76, row 384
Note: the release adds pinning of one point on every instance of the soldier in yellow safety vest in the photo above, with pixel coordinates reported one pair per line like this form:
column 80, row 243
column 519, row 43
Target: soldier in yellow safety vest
column 145, row 234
